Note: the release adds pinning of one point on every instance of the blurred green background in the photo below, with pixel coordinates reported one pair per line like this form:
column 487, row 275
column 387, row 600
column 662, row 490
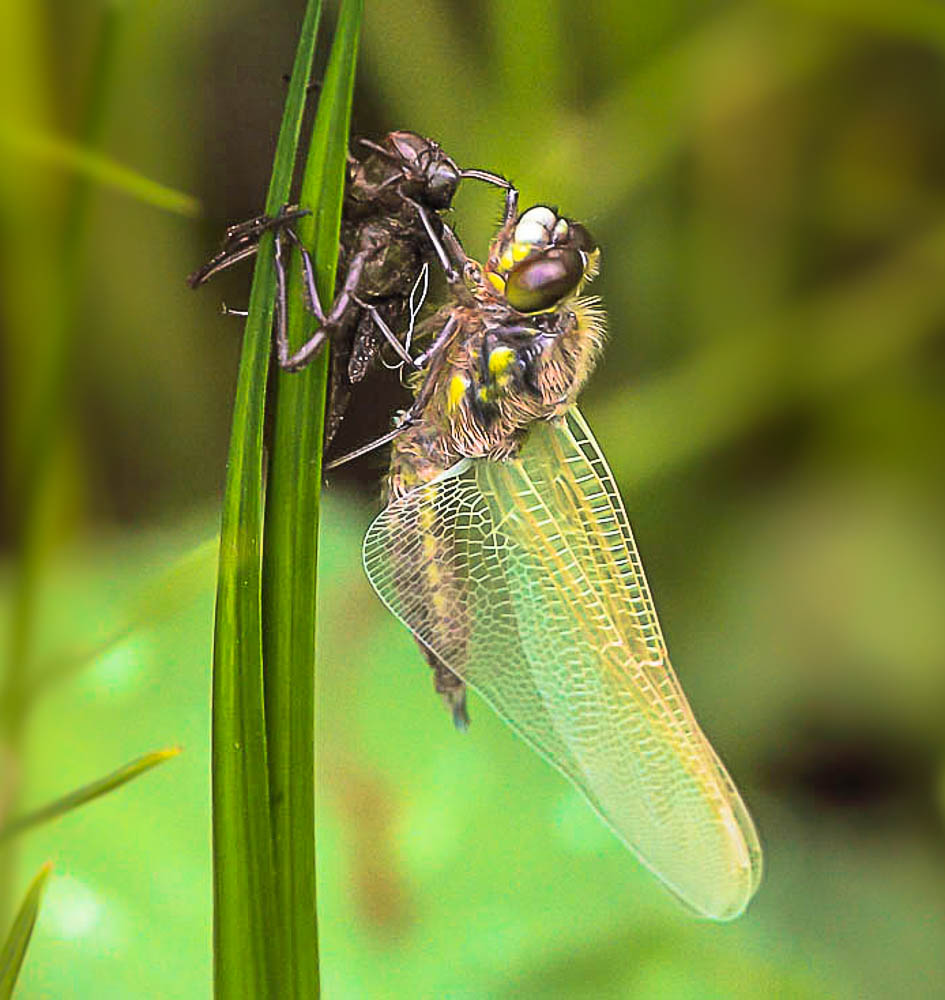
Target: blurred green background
column 767, row 182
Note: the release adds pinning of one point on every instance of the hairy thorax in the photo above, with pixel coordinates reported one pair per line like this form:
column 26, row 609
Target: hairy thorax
column 497, row 377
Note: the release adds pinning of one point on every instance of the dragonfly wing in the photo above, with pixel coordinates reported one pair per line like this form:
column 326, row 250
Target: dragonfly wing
column 524, row 578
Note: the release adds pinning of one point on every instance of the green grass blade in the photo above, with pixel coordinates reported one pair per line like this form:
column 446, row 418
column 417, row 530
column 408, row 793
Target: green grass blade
column 247, row 940
column 38, row 447
column 87, row 793
column 14, row 948
column 56, row 151
column 290, row 551
column 323, row 181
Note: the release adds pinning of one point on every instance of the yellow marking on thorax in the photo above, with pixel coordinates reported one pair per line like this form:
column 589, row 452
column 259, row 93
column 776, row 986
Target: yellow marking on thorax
column 496, row 281
column 500, row 359
column 455, row 392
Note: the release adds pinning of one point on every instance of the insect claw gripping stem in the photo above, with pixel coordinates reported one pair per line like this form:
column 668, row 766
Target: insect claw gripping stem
column 312, row 301
column 241, row 241
column 328, row 324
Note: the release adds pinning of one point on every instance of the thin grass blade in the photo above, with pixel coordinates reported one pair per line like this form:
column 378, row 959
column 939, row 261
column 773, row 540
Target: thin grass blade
column 247, row 938
column 49, row 288
column 14, row 948
column 291, row 540
column 56, row 151
column 87, row 793
column 187, row 579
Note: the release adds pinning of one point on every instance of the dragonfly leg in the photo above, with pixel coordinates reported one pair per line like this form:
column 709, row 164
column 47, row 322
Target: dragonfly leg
column 455, row 248
column 439, row 340
column 511, row 205
column 453, row 274
column 386, row 332
column 488, row 176
column 410, row 417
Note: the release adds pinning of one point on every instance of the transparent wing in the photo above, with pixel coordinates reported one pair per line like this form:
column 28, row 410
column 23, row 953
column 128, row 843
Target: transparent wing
column 523, row 577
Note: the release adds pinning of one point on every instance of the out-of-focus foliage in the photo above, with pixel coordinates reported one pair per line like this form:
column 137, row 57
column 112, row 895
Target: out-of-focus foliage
column 14, row 948
column 767, row 182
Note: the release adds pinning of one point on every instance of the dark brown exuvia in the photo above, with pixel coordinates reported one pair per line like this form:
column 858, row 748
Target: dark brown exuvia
column 392, row 230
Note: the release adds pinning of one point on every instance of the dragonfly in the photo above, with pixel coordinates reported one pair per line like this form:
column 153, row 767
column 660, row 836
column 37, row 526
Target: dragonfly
column 505, row 548
column 392, row 230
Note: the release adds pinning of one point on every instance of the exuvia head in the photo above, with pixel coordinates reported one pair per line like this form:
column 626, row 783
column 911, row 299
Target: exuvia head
column 432, row 177
column 544, row 259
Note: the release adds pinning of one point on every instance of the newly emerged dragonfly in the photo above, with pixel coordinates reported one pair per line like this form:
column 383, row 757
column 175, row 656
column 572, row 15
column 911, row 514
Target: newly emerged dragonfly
column 392, row 230
column 505, row 548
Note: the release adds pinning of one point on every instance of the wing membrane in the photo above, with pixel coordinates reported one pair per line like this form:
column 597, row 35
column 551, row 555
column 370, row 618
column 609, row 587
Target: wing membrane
column 524, row 578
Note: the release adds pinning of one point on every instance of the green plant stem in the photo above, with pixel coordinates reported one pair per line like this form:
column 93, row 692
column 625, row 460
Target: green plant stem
column 247, row 934
column 291, row 539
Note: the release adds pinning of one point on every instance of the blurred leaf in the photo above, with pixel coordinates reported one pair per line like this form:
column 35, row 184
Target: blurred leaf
column 39, row 447
column 809, row 352
column 624, row 138
column 660, row 102
column 14, row 948
column 290, row 552
column 59, row 152
column 158, row 601
column 247, row 934
column 176, row 587
column 88, row 792
column 394, row 41
column 921, row 21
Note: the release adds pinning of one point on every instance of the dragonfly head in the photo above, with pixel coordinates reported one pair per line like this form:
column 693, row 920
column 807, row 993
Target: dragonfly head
column 542, row 259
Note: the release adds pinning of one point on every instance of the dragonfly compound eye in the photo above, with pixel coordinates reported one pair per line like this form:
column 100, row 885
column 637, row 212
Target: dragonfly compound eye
column 578, row 238
column 536, row 226
column 543, row 280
